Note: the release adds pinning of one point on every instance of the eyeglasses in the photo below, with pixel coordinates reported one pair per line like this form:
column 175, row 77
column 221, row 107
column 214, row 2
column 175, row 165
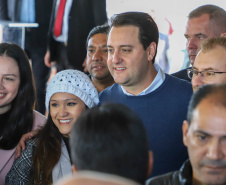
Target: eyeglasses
column 207, row 75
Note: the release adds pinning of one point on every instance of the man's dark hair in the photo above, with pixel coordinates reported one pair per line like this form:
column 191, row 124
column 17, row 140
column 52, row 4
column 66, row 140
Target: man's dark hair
column 148, row 30
column 110, row 139
column 217, row 17
column 215, row 91
column 98, row 29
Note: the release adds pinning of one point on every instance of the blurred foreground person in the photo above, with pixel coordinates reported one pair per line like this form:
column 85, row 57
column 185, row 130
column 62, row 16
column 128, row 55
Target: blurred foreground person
column 111, row 139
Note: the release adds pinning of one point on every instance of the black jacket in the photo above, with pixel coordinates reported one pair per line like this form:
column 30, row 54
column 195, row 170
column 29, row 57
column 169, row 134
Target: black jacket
column 180, row 177
column 182, row 74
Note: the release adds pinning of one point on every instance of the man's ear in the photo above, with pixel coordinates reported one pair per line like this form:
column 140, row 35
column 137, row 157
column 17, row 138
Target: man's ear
column 223, row 34
column 151, row 50
column 73, row 168
column 150, row 163
column 185, row 128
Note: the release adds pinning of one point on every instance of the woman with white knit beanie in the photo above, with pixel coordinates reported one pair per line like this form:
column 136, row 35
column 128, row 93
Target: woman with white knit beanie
column 47, row 156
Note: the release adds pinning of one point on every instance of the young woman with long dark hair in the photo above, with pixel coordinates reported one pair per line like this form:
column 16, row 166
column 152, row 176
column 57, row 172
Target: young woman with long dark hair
column 47, row 156
column 17, row 101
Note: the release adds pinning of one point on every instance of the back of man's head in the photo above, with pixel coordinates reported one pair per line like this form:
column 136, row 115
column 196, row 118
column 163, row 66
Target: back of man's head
column 110, row 139
column 148, row 30
column 217, row 17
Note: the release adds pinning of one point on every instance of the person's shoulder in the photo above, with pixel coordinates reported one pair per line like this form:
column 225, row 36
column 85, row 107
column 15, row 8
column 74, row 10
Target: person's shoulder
column 30, row 144
column 114, row 86
column 177, row 87
column 182, row 74
column 39, row 119
column 38, row 115
column 171, row 178
column 110, row 89
column 110, row 93
column 178, row 82
column 27, row 153
column 19, row 172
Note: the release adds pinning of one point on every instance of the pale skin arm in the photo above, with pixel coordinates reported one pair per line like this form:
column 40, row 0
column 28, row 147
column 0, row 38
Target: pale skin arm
column 21, row 145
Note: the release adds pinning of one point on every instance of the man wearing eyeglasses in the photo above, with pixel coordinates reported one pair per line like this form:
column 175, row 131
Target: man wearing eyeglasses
column 204, row 22
column 210, row 63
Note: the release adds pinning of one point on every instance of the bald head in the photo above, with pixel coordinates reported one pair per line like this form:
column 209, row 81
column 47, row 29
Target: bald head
column 216, row 93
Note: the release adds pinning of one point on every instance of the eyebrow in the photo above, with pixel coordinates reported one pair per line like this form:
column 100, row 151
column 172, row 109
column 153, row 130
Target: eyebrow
column 207, row 134
column 121, row 46
column 201, row 132
column 196, row 35
column 206, row 69
column 200, row 34
column 10, row 75
column 103, row 46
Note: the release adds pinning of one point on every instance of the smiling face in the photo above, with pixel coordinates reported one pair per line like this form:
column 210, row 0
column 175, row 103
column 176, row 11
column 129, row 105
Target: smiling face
column 97, row 57
column 128, row 62
column 197, row 30
column 9, row 81
column 205, row 139
column 65, row 108
column 212, row 60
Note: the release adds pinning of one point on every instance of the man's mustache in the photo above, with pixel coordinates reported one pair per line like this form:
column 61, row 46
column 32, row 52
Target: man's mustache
column 213, row 163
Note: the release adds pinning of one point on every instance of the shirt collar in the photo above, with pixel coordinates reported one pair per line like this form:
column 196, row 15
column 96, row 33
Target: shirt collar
column 159, row 79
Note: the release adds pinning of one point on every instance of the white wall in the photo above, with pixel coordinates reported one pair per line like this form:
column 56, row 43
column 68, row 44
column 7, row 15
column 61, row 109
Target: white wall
column 175, row 10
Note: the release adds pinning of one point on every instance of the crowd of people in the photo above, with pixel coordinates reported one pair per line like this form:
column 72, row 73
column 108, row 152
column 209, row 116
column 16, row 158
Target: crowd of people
column 121, row 119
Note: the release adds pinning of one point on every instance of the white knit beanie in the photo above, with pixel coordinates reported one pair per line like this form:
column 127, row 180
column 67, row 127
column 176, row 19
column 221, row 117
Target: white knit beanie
column 74, row 82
